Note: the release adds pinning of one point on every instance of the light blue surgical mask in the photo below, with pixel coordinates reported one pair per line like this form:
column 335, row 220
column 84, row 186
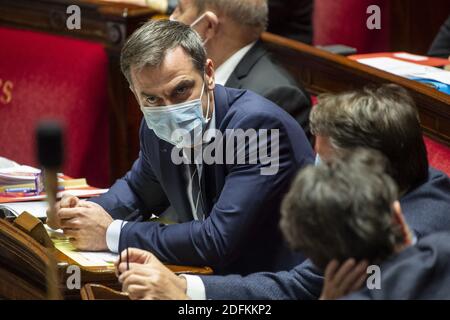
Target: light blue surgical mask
column 181, row 125
column 318, row 160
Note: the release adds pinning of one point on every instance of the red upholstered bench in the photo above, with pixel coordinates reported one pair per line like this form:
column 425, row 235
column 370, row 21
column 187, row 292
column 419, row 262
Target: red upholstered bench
column 344, row 22
column 46, row 76
column 438, row 155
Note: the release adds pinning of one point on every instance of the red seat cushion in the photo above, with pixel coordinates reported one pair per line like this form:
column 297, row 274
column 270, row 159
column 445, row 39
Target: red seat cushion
column 438, row 155
column 344, row 22
column 59, row 78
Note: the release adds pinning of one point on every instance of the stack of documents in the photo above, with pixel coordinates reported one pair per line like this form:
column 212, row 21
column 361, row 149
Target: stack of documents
column 434, row 76
column 18, row 175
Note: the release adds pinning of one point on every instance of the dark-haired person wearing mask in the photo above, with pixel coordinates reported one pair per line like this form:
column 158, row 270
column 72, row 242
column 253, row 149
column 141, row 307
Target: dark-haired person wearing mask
column 231, row 31
column 384, row 119
column 227, row 209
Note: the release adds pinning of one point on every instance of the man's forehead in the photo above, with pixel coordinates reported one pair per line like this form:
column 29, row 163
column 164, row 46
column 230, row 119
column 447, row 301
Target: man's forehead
column 176, row 64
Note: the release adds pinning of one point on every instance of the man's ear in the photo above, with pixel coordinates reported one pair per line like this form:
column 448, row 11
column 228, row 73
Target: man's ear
column 207, row 26
column 399, row 218
column 210, row 74
column 213, row 24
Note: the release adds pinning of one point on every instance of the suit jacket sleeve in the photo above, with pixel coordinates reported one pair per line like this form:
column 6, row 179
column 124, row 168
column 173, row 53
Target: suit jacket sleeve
column 216, row 240
column 441, row 44
column 304, row 282
column 137, row 190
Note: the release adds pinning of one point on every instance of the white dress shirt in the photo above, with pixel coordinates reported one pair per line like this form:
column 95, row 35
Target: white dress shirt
column 225, row 70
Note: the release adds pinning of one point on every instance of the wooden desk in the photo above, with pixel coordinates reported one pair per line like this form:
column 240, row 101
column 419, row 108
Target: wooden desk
column 320, row 71
column 25, row 265
column 106, row 276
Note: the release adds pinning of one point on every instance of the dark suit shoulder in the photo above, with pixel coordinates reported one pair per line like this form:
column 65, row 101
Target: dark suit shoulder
column 427, row 207
column 252, row 107
column 266, row 75
column 418, row 272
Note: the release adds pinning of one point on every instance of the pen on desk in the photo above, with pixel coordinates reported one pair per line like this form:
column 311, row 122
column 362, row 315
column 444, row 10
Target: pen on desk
column 19, row 190
column 17, row 194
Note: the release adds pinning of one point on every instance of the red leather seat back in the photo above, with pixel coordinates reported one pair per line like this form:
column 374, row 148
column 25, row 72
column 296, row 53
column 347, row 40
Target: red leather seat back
column 46, row 76
column 438, row 155
column 344, row 22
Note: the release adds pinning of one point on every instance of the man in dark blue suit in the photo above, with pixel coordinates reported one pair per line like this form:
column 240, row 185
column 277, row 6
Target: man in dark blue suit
column 221, row 158
column 383, row 119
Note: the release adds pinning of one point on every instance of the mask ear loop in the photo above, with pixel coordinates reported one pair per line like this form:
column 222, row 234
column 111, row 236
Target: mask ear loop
column 207, row 109
column 192, row 25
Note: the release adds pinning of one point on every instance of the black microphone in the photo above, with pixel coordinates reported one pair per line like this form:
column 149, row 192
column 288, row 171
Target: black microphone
column 50, row 156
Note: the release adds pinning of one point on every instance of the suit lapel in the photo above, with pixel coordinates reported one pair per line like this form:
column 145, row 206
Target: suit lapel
column 210, row 178
column 245, row 65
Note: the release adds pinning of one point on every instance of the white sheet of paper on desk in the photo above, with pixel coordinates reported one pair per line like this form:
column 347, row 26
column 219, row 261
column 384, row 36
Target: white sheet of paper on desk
column 86, row 258
column 99, row 257
column 82, row 192
column 409, row 56
column 35, row 208
column 6, row 163
column 408, row 69
column 83, row 258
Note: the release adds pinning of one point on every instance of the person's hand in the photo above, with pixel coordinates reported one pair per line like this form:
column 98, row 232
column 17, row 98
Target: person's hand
column 134, row 256
column 67, row 201
column 148, row 278
column 85, row 225
column 341, row 280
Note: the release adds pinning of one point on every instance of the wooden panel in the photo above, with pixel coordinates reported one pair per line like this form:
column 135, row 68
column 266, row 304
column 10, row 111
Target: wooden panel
column 320, row 71
column 415, row 23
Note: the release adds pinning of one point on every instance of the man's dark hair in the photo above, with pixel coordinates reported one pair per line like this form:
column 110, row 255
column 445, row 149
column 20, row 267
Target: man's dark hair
column 382, row 118
column 343, row 209
column 149, row 44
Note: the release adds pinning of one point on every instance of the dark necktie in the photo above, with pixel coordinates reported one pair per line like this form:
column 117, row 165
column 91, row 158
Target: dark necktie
column 196, row 191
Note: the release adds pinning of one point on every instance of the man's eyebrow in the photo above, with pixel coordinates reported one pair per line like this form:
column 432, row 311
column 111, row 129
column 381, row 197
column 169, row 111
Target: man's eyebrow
column 185, row 82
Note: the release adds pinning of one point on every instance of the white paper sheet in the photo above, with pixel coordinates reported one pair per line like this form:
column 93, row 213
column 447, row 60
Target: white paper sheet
column 35, row 208
column 408, row 69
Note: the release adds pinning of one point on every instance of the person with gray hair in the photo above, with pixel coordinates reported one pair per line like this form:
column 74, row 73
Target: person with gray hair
column 231, row 31
column 227, row 205
column 385, row 118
